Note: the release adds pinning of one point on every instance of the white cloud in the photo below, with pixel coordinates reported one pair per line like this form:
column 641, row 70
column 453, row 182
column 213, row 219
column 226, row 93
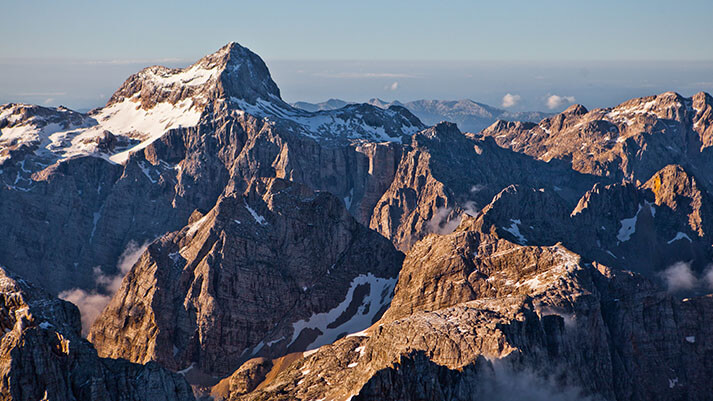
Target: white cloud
column 679, row 277
column 92, row 303
column 440, row 222
column 392, row 87
column 508, row 383
column 477, row 188
column 510, row 100
column 471, row 209
column 556, row 101
column 708, row 277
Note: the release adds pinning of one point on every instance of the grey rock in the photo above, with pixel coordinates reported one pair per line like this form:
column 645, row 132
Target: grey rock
column 277, row 269
column 42, row 355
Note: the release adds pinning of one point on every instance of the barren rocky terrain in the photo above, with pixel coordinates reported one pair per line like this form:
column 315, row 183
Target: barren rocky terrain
column 223, row 244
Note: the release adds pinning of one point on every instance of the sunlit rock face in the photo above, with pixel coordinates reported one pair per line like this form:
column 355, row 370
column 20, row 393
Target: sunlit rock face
column 43, row 355
column 276, row 269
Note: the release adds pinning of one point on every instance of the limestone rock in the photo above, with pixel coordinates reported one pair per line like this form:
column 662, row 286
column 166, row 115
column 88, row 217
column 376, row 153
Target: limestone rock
column 632, row 140
column 445, row 174
column 277, row 269
column 548, row 323
column 42, row 355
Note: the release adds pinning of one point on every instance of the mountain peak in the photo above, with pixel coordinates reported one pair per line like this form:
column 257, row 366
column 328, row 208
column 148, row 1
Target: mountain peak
column 442, row 131
column 233, row 72
column 576, row 109
column 244, row 74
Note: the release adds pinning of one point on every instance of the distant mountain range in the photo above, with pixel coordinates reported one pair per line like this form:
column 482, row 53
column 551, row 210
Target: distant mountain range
column 223, row 244
column 470, row 116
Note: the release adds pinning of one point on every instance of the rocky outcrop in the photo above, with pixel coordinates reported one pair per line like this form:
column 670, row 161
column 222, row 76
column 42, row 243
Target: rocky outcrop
column 42, row 355
column 549, row 324
column 702, row 103
column 644, row 228
column 277, row 269
column 232, row 71
column 169, row 142
column 632, row 140
column 244, row 380
column 445, row 174
column 675, row 189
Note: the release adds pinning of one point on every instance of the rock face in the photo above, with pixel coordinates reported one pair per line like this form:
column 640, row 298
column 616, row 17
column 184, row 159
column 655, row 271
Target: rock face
column 566, row 244
column 167, row 143
column 249, row 376
column 277, row 269
column 445, row 174
column 632, row 140
column 544, row 319
column 42, row 355
column 232, row 71
column 645, row 229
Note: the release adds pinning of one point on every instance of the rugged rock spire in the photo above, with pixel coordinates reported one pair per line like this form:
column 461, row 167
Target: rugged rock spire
column 43, row 356
column 233, row 72
column 277, row 269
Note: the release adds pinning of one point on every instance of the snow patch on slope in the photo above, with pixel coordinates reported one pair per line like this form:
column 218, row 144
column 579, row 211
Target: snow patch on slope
column 127, row 118
column 195, row 75
column 628, row 227
column 325, row 124
column 380, row 293
column 258, row 219
column 79, row 134
column 679, row 235
column 514, row 229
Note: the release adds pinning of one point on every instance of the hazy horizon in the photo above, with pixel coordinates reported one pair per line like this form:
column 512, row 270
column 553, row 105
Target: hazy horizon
column 77, row 54
column 87, row 84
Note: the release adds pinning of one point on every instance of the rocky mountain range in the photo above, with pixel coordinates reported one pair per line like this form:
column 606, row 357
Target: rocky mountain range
column 469, row 115
column 45, row 357
column 223, row 244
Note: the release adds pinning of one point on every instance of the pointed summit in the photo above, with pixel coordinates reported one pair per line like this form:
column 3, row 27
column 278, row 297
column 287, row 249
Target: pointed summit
column 232, row 73
column 576, row 109
column 244, row 74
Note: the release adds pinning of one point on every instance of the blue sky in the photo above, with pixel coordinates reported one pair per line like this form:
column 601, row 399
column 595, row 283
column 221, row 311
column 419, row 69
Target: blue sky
column 76, row 52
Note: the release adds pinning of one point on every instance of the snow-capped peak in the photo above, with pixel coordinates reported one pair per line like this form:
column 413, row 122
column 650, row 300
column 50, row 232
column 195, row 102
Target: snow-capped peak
column 232, row 71
column 157, row 99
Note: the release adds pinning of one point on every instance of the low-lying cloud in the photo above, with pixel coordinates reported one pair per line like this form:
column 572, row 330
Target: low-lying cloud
column 557, row 101
column 508, row 384
column 440, row 222
column 444, row 222
column 92, row 303
column 476, row 188
column 680, row 277
column 393, row 86
column 471, row 209
column 510, row 100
